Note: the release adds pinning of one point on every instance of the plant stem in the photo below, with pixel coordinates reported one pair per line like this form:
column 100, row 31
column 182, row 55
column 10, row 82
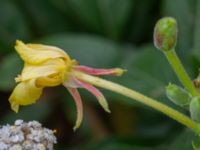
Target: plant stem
column 183, row 119
column 180, row 71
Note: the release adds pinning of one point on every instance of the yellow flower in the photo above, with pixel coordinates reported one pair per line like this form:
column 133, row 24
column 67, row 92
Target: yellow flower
column 44, row 66
column 48, row 66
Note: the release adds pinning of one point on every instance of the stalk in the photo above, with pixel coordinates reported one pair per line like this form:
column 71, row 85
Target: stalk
column 174, row 114
column 180, row 72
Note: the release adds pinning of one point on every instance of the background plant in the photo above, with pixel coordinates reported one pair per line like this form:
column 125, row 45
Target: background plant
column 120, row 31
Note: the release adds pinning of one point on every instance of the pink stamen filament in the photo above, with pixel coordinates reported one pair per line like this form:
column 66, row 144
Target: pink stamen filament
column 77, row 98
column 101, row 99
column 94, row 71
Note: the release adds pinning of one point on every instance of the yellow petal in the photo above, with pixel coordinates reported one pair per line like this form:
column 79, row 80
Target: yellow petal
column 52, row 67
column 38, row 53
column 49, row 81
column 25, row 93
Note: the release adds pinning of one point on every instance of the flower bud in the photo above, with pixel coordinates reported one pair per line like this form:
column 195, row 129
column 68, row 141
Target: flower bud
column 195, row 109
column 165, row 34
column 178, row 95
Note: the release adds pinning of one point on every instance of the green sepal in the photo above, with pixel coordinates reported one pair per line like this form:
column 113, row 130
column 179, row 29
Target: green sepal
column 178, row 95
column 195, row 108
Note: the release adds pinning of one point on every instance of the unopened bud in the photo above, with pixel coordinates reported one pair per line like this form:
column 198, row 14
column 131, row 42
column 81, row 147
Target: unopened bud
column 165, row 34
column 195, row 109
column 178, row 95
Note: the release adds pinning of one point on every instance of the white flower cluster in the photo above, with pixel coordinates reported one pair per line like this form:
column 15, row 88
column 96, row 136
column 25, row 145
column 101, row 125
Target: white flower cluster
column 26, row 136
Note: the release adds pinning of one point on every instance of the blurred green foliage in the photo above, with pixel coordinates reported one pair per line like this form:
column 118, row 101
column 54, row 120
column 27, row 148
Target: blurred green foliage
column 102, row 33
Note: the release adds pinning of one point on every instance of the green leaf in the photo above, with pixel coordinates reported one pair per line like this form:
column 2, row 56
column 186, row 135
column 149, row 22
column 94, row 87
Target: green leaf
column 142, row 21
column 196, row 46
column 12, row 25
column 87, row 15
column 107, row 17
column 183, row 141
column 196, row 43
column 43, row 17
column 10, row 67
column 196, row 143
column 114, row 15
column 88, row 50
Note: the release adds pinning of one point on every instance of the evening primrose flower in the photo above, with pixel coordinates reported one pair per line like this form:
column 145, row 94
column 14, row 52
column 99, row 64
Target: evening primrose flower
column 48, row 66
